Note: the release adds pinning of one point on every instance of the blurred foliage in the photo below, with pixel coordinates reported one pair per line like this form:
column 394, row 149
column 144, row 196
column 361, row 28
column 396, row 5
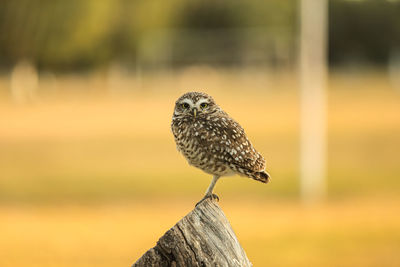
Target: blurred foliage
column 83, row 34
column 56, row 34
column 364, row 32
column 226, row 14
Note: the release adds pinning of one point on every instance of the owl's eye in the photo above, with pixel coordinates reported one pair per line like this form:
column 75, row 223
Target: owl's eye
column 203, row 105
column 185, row 105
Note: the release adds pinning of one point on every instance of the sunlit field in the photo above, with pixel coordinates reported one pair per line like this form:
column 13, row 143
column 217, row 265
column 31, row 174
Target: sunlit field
column 90, row 175
column 350, row 233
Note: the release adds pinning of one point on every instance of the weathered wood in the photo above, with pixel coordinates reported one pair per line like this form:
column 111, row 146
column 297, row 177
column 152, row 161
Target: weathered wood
column 203, row 237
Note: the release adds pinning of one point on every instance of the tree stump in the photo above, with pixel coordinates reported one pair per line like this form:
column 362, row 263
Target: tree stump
column 203, row 237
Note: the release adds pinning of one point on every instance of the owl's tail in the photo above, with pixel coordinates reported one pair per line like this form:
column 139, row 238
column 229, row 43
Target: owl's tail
column 261, row 176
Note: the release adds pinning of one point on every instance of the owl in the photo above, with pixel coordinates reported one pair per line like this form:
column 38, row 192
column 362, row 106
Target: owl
column 212, row 141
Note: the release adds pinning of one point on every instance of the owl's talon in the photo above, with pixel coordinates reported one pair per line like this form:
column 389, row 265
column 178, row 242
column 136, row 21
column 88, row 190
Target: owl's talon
column 215, row 197
column 212, row 196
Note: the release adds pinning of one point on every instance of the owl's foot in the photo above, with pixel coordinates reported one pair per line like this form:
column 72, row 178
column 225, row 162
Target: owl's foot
column 212, row 196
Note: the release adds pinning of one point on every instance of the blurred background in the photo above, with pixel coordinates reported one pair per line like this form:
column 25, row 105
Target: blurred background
column 89, row 171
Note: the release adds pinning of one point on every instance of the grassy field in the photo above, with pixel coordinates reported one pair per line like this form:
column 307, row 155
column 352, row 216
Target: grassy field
column 365, row 232
column 90, row 175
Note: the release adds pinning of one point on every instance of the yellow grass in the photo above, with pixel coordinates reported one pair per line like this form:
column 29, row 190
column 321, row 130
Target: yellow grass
column 90, row 176
column 351, row 233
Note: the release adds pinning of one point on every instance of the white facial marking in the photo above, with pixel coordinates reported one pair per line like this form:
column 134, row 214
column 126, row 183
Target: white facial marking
column 189, row 101
column 186, row 100
column 201, row 101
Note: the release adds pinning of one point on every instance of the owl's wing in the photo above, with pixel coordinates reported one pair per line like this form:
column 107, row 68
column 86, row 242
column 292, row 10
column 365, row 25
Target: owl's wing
column 238, row 148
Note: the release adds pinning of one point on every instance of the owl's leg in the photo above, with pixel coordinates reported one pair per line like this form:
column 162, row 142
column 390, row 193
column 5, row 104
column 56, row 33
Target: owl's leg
column 212, row 185
column 210, row 188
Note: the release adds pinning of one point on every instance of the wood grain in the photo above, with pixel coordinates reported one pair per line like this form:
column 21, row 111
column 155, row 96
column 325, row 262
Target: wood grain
column 203, row 237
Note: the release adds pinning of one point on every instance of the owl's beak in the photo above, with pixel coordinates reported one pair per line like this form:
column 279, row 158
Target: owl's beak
column 195, row 112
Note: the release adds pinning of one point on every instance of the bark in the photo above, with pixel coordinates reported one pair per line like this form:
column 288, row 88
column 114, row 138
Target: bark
column 203, row 237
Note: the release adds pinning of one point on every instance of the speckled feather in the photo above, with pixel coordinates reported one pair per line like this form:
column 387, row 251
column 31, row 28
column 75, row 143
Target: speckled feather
column 213, row 141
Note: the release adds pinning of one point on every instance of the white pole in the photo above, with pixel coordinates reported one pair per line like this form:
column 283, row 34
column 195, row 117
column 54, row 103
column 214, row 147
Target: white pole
column 24, row 82
column 313, row 68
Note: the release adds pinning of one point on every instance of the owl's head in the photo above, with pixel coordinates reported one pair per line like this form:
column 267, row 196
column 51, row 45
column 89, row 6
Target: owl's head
column 195, row 104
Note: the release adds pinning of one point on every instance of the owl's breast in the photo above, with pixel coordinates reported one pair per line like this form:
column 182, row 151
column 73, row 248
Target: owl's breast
column 198, row 142
column 188, row 138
